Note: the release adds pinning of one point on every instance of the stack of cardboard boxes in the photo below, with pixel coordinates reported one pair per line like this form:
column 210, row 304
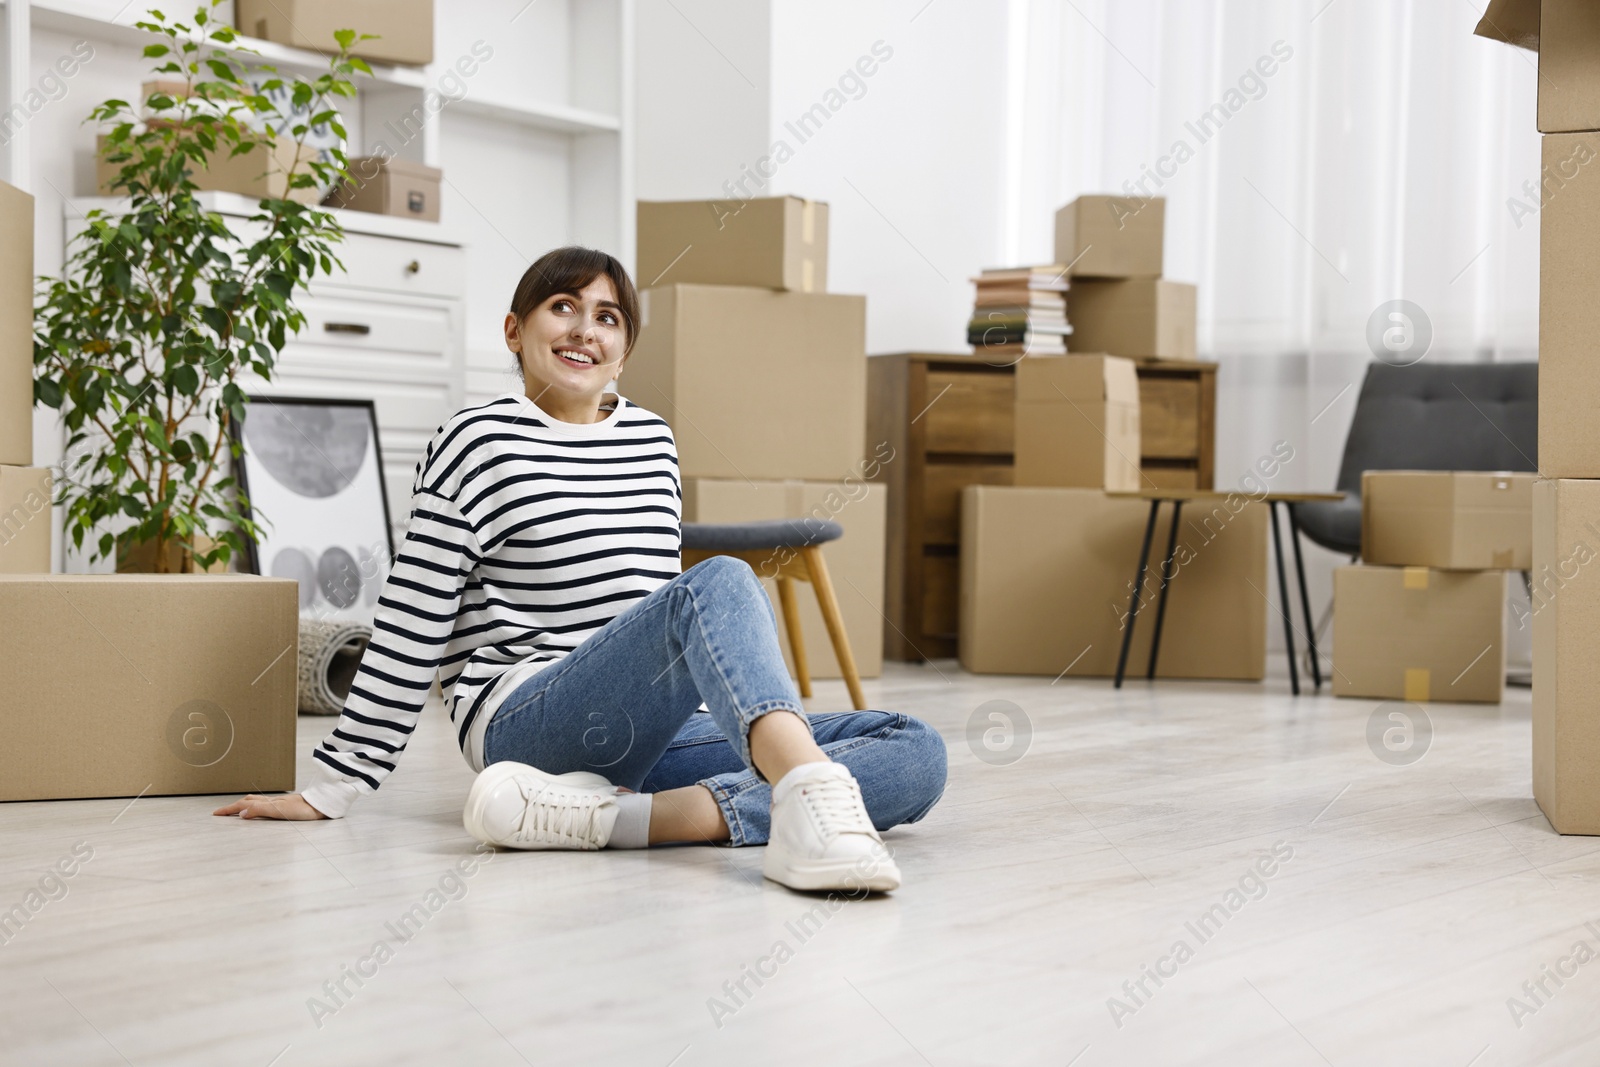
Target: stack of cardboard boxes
column 1424, row 617
column 1112, row 250
column 762, row 374
column 1566, row 500
column 122, row 684
column 1047, row 563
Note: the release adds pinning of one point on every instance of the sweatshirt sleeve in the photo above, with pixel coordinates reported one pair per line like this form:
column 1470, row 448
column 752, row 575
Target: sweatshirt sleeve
column 415, row 616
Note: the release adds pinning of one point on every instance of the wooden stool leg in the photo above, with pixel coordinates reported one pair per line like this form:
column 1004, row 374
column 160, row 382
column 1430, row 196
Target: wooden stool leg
column 818, row 570
column 797, row 641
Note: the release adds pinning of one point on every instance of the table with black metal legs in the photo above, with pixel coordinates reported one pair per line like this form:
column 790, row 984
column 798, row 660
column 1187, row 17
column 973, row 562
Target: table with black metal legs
column 1179, row 497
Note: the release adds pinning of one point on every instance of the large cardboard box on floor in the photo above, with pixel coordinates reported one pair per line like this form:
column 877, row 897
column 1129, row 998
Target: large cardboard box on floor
column 1111, row 237
column 1454, row 520
column 1138, row 317
column 1046, row 576
column 1569, row 313
column 118, row 685
column 755, row 383
column 1566, row 34
column 855, row 561
column 402, row 29
column 778, row 242
column 1565, row 609
column 25, row 495
column 16, row 327
column 1418, row 634
column 1077, row 422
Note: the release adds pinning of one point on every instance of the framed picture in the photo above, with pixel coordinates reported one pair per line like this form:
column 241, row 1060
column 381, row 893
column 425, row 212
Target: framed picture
column 312, row 473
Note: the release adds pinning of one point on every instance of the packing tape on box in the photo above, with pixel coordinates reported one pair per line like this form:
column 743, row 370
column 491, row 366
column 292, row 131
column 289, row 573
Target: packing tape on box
column 808, row 275
column 330, row 655
column 1417, row 684
column 1414, row 578
column 808, row 222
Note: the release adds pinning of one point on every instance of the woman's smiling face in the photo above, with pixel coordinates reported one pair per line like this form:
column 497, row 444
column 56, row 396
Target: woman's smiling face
column 571, row 347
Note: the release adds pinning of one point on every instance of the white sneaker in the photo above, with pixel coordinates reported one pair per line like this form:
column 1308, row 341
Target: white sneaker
column 822, row 837
column 518, row 806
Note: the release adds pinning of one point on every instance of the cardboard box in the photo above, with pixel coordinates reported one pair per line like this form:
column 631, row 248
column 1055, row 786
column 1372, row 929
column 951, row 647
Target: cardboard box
column 1111, row 237
column 855, row 561
column 1077, row 423
column 773, row 242
column 260, row 172
column 1569, row 314
column 122, row 684
column 1138, row 317
column 1565, row 609
column 403, row 28
column 755, row 383
column 390, row 187
column 1566, row 34
column 1455, row 520
column 25, row 520
column 16, row 327
column 1417, row 634
column 1046, row 577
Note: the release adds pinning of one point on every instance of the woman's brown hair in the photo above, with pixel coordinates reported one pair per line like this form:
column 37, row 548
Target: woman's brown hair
column 568, row 270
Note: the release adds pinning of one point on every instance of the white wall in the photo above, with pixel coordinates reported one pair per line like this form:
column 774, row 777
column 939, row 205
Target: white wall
column 908, row 162
column 703, row 85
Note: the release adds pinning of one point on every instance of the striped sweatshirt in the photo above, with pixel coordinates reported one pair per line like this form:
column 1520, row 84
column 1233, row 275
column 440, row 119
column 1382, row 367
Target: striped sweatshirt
column 527, row 535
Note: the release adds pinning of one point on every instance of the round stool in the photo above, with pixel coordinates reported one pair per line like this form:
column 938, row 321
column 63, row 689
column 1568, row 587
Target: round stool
column 787, row 550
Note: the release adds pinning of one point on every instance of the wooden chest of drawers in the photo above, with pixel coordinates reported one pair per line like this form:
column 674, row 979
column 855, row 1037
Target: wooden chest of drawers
column 949, row 419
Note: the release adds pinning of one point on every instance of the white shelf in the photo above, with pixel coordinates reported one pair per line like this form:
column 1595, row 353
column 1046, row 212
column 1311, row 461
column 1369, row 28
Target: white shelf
column 557, row 117
column 244, row 206
column 58, row 15
column 561, row 118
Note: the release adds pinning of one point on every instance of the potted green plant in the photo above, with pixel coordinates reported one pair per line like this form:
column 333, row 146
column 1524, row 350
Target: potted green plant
column 161, row 306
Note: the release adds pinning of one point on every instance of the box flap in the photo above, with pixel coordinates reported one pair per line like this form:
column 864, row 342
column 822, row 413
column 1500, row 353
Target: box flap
column 1121, row 381
column 1511, row 21
column 1092, row 378
column 1406, row 489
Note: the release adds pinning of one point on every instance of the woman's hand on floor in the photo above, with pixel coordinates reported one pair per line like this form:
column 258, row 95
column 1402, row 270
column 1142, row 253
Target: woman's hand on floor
column 291, row 806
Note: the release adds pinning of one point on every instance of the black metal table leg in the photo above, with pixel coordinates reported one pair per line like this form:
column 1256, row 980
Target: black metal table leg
column 1305, row 597
column 1166, row 579
column 1138, row 591
column 1283, row 597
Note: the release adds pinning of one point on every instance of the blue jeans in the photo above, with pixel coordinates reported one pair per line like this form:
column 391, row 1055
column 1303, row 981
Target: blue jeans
column 624, row 703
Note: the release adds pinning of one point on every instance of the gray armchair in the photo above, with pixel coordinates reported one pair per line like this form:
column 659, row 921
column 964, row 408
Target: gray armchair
column 1429, row 416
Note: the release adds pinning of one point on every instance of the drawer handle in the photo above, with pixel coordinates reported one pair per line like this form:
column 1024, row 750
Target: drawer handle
column 347, row 327
column 413, row 267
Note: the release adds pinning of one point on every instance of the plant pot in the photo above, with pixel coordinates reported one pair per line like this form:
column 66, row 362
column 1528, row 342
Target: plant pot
column 140, row 558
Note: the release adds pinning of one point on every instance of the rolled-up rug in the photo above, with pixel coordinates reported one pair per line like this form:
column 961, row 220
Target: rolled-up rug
column 330, row 654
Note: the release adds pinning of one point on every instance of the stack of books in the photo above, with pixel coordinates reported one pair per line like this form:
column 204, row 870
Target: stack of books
column 1020, row 311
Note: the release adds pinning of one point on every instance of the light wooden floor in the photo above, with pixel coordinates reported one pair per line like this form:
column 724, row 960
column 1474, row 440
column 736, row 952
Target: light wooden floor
column 1417, row 901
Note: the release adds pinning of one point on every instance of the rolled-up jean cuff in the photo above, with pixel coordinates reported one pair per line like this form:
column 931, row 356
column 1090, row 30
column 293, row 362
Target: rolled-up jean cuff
column 750, row 721
column 730, row 811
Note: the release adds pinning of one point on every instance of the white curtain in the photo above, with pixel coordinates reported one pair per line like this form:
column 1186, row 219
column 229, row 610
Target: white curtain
column 1363, row 151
